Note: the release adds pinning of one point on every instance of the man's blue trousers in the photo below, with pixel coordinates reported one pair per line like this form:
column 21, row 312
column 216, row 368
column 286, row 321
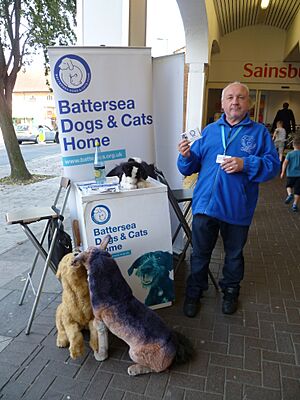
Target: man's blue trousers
column 205, row 231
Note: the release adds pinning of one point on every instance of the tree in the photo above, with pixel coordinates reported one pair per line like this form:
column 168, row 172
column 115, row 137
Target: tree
column 27, row 26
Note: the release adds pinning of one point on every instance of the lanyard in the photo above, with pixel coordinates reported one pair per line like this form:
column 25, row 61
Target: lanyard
column 225, row 145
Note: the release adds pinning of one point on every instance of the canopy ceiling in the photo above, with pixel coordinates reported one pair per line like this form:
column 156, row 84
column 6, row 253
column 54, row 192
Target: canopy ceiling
column 236, row 14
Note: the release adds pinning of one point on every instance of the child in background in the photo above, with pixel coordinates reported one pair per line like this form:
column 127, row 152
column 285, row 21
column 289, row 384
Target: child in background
column 279, row 137
column 291, row 165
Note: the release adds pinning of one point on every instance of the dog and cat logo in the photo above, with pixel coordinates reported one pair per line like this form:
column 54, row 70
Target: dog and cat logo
column 248, row 144
column 72, row 73
column 101, row 214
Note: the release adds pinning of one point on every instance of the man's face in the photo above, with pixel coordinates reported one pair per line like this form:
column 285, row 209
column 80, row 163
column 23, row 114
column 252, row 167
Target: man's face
column 235, row 103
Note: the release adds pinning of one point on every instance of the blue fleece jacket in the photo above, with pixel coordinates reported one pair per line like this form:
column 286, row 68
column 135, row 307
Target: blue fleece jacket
column 230, row 197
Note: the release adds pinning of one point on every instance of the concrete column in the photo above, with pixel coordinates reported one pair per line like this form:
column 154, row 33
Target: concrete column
column 195, row 95
column 195, row 23
column 102, row 22
column 137, row 22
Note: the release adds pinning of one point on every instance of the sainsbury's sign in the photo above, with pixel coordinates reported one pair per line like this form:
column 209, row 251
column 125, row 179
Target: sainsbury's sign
column 271, row 71
column 256, row 72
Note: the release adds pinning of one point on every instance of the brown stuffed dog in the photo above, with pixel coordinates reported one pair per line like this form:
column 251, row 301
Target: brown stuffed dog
column 75, row 311
column 152, row 345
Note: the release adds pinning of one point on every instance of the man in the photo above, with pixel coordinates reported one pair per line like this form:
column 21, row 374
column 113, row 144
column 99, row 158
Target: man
column 285, row 115
column 232, row 157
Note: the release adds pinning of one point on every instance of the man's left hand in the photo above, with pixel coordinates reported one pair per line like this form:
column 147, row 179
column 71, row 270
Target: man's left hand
column 233, row 164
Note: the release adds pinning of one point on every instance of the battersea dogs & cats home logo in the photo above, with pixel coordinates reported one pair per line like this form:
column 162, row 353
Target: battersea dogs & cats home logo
column 101, row 214
column 72, row 73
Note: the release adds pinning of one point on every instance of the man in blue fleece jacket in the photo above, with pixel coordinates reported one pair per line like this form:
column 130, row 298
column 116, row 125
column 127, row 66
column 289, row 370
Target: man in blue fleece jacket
column 231, row 158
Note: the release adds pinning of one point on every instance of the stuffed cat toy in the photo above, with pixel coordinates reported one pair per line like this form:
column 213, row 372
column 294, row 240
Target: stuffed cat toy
column 133, row 173
column 153, row 346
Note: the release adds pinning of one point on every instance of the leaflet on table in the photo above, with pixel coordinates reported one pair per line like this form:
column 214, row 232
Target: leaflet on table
column 111, row 185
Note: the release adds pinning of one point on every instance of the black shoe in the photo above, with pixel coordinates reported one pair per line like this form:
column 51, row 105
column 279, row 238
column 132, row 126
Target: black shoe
column 230, row 300
column 289, row 198
column 190, row 307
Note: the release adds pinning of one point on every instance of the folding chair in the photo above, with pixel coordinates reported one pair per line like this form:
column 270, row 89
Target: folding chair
column 176, row 197
column 36, row 214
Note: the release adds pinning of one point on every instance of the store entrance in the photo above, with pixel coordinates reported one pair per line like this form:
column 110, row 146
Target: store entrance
column 264, row 105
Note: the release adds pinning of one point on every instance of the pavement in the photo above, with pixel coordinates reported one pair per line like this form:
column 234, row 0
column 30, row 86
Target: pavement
column 38, row 194
column 251, row 355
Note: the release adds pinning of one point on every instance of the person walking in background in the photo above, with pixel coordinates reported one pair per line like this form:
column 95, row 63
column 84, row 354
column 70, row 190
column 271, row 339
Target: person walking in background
column 231, row 158
column 285, row 115
column 291, row 166
column 279, row 137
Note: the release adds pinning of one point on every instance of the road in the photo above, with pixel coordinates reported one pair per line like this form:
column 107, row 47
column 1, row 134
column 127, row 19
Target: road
column 31, row 151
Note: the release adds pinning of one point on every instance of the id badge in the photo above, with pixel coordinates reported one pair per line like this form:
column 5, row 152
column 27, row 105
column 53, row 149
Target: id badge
column 221, row 158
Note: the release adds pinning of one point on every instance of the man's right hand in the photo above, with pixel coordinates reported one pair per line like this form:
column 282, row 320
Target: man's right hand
column 184, row 148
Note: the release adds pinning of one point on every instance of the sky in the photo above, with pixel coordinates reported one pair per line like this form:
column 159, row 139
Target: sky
column 165, row 32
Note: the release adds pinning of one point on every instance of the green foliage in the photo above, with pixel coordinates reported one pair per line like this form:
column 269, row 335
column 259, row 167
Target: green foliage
column 27, row 26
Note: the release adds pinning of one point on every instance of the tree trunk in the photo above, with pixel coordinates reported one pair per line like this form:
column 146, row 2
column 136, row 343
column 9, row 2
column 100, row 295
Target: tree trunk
column 19, row 171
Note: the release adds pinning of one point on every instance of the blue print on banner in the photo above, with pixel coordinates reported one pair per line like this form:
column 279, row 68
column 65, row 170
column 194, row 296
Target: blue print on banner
column 73, row 161
column 122, row 254
column 72, row 73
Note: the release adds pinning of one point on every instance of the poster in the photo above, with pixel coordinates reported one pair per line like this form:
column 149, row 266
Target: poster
column 140, row 237
column 102, row 94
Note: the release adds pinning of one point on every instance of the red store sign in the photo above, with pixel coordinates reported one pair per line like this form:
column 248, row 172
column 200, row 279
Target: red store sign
column 282, row 72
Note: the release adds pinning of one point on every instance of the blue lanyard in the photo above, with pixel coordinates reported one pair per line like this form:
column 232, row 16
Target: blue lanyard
column 225, row 145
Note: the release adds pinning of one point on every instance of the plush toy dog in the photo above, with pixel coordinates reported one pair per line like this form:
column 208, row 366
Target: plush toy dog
column 133, row 173
column 153, row 346
column 75, row 311
column 153, row 270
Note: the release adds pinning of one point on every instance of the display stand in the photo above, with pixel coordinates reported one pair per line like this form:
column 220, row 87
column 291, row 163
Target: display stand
column 139, row 224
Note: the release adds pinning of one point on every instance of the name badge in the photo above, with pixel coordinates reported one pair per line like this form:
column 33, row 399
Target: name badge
column 221, row 158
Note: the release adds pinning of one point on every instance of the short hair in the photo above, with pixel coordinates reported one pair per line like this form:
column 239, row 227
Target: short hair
column 285, row 105
column 231, row 84
column 296, row 141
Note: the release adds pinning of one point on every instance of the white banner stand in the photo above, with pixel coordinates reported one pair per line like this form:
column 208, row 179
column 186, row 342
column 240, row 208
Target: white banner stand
column 120, row 95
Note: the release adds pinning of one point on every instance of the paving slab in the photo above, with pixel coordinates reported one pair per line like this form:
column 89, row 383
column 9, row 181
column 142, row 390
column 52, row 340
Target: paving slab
column 254, row 354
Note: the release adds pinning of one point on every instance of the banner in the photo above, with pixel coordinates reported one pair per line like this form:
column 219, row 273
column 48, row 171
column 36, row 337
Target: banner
column 141, row 242
column 102, row 94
